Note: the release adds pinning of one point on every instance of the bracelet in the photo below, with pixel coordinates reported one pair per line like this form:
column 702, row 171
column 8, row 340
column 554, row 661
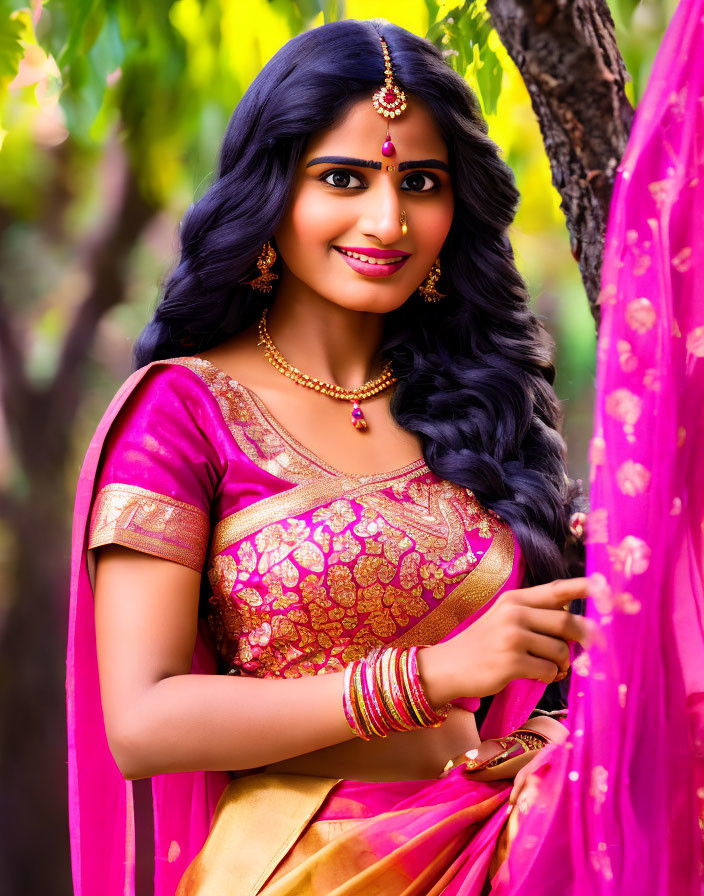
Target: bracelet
column 383, row 692
column 349, row 702
column 435, row 716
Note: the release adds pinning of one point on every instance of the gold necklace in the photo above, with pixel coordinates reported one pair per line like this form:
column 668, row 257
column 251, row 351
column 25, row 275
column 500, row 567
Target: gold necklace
column 371, row 387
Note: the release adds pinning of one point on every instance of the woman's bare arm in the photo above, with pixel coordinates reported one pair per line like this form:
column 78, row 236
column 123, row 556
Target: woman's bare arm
column 159, row 718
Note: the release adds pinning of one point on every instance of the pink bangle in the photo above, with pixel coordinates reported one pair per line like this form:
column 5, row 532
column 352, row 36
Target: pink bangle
column 389, row 720
column 383, row 692
column 374, row 724
column 435, row 715
column 362, row 700
column 349, row 702
column 374, row 703
column 410, row 686
column 346, row 701
column 396, row 687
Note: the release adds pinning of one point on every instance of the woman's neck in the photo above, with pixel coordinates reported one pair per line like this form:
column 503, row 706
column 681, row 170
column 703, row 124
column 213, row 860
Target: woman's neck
column 325, row 340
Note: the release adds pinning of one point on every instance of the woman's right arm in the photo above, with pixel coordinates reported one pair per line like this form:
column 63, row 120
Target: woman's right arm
column 159, row 718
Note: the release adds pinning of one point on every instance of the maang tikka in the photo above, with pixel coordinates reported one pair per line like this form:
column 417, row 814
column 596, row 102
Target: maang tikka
column 390, row 101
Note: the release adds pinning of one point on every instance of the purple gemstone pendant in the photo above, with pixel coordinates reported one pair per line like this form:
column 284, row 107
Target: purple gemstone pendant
column 358, row 420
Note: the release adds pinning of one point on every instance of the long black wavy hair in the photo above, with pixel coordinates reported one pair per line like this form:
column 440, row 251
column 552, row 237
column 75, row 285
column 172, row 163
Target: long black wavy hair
column 475, row 375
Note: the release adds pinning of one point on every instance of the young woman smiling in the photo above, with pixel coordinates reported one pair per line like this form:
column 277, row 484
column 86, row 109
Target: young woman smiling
column 372, row 544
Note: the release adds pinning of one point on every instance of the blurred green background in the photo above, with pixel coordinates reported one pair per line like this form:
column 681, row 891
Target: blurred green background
column 151, row 87
column 111, row 116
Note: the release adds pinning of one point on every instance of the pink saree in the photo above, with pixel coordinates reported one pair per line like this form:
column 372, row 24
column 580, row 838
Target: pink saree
column 305, row 569
column 195, row 470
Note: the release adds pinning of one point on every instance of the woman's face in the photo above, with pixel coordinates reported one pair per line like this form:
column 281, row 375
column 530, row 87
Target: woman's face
column 354, row 202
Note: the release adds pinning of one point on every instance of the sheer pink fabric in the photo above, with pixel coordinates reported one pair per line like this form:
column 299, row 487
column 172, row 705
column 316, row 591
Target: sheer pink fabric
column 615, row 811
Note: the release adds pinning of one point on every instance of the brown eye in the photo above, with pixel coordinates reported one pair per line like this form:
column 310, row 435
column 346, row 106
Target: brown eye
column 420, row 182
column 341, row 178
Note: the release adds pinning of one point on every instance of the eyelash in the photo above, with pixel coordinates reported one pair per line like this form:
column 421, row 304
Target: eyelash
column 323, row 179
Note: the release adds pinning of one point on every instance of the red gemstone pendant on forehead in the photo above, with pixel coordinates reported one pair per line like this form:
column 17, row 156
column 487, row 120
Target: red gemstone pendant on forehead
column 389, row 100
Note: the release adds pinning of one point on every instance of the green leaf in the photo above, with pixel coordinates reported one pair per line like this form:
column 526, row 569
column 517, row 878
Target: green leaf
column 12, row 30
column 462, row 35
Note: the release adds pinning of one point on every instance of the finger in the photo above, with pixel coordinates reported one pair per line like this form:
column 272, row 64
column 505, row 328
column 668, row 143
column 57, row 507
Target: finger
column 553, row 595
column 558, row 624
column 516, row 790
column 518, row 785
column 554, row 650
column 538, row 669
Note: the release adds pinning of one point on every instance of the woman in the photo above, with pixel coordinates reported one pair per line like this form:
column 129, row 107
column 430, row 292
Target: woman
column 338, row 245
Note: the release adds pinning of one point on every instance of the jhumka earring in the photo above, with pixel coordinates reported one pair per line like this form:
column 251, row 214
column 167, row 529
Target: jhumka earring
column 427, row 287
column 266, row 259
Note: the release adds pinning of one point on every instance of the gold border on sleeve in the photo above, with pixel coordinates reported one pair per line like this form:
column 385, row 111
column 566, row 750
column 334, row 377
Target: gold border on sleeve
column 149, row 522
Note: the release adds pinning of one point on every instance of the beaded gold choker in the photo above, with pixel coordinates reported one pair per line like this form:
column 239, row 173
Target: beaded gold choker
column 371, row 387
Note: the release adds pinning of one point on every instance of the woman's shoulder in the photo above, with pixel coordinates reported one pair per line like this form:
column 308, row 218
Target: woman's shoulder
column 182, row 390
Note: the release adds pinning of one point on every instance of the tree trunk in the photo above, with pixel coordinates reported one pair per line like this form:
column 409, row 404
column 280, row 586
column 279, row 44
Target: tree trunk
column 34, row 852
column 571, row 65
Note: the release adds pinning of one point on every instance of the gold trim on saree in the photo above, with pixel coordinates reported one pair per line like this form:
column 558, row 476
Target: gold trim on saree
column 263, row 439
column 257, row 820
column 150, row 522
column 294, row 501
column 475, row 590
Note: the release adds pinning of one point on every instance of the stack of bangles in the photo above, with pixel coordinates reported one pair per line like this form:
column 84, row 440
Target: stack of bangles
column 383, row 693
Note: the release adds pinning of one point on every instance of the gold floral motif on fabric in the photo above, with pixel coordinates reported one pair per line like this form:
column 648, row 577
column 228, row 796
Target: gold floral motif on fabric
column 310, row 595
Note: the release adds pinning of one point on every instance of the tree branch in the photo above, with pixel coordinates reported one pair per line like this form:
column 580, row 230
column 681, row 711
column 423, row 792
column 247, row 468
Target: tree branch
column 15, row 388
column 567, row 55
column 106, row 261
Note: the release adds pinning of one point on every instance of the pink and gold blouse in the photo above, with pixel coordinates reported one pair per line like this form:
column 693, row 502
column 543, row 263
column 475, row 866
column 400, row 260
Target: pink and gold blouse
column 306, row 568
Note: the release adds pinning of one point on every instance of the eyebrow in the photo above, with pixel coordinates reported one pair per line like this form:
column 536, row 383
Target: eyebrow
column 369, row 163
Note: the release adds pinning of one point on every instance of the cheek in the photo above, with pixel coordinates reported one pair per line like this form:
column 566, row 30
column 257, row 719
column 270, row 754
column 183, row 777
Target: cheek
column 437, row 225
column 314, row 221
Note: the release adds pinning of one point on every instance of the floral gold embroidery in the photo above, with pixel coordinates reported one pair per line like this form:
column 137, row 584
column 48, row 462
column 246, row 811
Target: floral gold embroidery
column 337, row 515
column 640, row 315
column 632, row 556
column 274, row 542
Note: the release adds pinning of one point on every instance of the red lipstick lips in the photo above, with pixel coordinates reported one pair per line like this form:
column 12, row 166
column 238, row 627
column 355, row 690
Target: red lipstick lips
column 373, row 269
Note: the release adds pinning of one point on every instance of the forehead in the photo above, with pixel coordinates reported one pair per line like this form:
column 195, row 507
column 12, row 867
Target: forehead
column 361, row 132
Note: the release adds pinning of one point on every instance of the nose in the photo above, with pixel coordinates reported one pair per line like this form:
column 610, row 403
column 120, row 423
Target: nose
column 381, row 218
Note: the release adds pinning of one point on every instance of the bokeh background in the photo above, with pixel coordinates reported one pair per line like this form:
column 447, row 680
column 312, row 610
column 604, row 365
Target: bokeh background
column 111, row 115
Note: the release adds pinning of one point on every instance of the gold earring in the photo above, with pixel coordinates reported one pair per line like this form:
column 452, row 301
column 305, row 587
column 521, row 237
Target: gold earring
column 427, row 287
column 404, row 226
column 266, row 259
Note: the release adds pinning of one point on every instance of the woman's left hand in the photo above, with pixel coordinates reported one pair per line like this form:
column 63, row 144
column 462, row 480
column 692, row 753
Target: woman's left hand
column 557, row 733
column 519, row 782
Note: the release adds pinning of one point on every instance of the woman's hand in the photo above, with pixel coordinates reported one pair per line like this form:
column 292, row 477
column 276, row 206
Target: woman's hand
column 492, row 748
column 525, row 634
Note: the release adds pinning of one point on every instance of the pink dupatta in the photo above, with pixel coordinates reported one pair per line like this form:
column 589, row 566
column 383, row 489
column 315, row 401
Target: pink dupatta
column 615, row 810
